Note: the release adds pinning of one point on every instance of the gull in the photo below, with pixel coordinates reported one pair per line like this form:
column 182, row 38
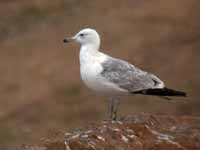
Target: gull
column 114, row 77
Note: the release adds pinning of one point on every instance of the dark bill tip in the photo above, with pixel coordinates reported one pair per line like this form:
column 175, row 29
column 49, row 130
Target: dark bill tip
column 65, row 41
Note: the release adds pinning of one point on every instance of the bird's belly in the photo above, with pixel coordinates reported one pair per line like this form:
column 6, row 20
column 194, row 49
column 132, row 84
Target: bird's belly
column 91, row 76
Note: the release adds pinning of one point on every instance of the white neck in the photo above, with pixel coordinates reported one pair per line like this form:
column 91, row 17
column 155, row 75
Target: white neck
column 88, row 52
column 90, row 47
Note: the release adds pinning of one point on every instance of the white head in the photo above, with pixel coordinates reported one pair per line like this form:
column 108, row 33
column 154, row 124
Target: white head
column 86, row 37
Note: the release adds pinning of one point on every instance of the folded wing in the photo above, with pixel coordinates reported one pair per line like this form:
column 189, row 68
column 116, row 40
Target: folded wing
column 128, row 77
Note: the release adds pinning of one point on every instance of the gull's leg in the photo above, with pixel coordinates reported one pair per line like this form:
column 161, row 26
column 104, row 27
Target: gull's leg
column 115, row 107
column 112, row 109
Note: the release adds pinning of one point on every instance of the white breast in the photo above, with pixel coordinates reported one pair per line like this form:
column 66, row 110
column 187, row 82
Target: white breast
column 90, row 69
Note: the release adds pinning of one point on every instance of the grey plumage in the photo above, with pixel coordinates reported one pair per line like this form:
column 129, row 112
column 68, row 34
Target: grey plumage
column 128, row 77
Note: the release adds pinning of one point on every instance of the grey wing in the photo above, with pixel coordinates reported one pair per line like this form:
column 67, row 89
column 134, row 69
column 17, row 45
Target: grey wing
column 128, row 77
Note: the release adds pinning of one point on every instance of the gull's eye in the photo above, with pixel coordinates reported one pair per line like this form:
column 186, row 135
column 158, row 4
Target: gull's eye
column 82, row 34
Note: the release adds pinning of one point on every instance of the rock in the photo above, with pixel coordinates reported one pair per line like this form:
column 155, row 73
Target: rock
column 138, row 132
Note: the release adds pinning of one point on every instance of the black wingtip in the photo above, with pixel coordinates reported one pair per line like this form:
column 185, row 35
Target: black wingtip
column 175, row 92
column 184, row 94
column 161, row 92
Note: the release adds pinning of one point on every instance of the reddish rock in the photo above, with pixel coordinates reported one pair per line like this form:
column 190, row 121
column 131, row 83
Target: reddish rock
column 138, row 132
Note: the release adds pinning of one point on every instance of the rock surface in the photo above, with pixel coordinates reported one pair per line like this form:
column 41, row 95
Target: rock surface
column 138, row 132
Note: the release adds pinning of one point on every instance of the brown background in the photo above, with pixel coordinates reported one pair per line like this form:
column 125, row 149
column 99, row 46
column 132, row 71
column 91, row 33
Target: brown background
column 40, row 86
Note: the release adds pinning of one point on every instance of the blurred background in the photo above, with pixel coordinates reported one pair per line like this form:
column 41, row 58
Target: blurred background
column 40, row 86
